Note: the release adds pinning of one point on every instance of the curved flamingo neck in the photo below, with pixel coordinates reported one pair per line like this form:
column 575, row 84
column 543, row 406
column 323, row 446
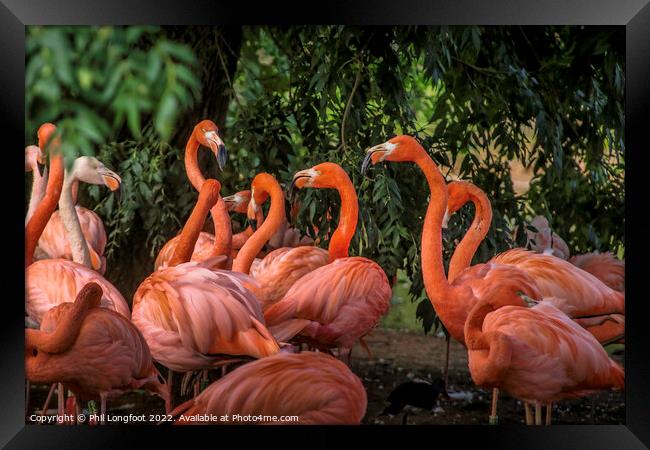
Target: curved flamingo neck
column 46, row 207
column 192, row 163
column 38, row 191
column 433, row 271
column 340, row 241
column 222, row 232
column 191, row 231
column 462, row 257
column 271, row 224
column 70, row 220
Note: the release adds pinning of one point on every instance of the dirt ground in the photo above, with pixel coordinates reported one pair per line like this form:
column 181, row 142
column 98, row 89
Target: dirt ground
column 400, row 356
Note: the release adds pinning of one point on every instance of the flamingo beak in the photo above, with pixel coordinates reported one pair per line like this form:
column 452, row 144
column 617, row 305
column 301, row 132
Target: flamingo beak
column 41, row 168
column 231, row 202
column 297, row 184
column 445, row 220
column 113, row 182
column 374, row 155
column 218, row 148
column 250, row 214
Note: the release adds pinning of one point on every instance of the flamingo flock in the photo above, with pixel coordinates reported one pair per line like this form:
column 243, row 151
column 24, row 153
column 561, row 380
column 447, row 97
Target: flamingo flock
column 533, row 323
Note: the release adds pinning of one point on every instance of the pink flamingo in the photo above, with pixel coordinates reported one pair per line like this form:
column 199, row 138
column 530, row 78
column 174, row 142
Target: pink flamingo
column 282, row 267
column 535, row 354
column 603, row 266
column 205, row 133
column 317, row 388
column 453, row 300
column 340, row 302
column 50, row 282
column 194, row 317
column 96, row 352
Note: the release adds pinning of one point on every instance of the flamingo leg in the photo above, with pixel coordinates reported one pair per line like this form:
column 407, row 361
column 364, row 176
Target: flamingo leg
column 445, row 372
column 538, row 412
column 61, row 402
column 529, row 414
column 365, row 346
column 494, row 419
column 170, row 377
column 350, row 356
column 549, row 412
column 47, row 400
column 27, row 396
column 102, row 407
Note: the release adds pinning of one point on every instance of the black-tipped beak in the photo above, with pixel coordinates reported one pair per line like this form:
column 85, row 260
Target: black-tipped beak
column 252, row 223
column 222, row 156
column 118, row 194
column 293, row 187
column 366, row 163
column 41, row 168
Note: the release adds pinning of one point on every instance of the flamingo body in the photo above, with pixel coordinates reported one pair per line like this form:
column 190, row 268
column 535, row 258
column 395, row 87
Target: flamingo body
column 550, row 357
column 202, row 250
column 50, row 282
column 581, row 292
column 333, row 305
column 281, row 268
column 603, row 266
column 317, row 388
column 54, row 244
column 196, row 318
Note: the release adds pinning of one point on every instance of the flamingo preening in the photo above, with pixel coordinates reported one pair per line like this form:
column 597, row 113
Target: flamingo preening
column 336, row 304
column 50, row 282
column 315, row 387
column 604, row 266
column 537, row 354
column 282, row 267
column 194, row 317
column 97, row 353
column 452, row 301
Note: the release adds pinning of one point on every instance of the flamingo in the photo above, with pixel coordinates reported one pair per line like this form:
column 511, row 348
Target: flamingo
column 575, row 303
column 206, row 133
column 50, row 282
column 35, row 163
column 603, row 266
column 96, row 352
column 536, row 354
column 453, row 299
column 53, row 243
column 316, row 387
column 340, row 302
column 194, row 317
column 282, row 267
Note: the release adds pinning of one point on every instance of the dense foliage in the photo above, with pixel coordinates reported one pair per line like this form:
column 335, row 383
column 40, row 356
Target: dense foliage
column 476, row 97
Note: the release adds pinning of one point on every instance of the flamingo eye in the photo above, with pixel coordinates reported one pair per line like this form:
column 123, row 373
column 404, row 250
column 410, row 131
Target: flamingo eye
column 34, row 352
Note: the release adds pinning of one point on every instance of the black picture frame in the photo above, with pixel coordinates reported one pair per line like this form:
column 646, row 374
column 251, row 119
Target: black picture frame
column 634, row 15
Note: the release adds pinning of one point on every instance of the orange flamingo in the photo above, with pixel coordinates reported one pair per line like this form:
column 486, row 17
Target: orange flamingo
column 452, row 301
column 205, row 133
column 338, row 303
column 50, row 282
column 575, row 303
column 317, row 388
column 282, row 267
column 96, row 352
column 603, row 266
column 535, row 354
column 196, row 318
column 35, row 163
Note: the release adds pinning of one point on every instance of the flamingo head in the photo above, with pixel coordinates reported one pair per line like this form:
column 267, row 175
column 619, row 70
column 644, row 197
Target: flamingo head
column 34, row 159
column 260, row 188
column 238, row 202
column 207, row 134
column 92, row 171
column 47, row 135
column 398, row 149
column 458, row 196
